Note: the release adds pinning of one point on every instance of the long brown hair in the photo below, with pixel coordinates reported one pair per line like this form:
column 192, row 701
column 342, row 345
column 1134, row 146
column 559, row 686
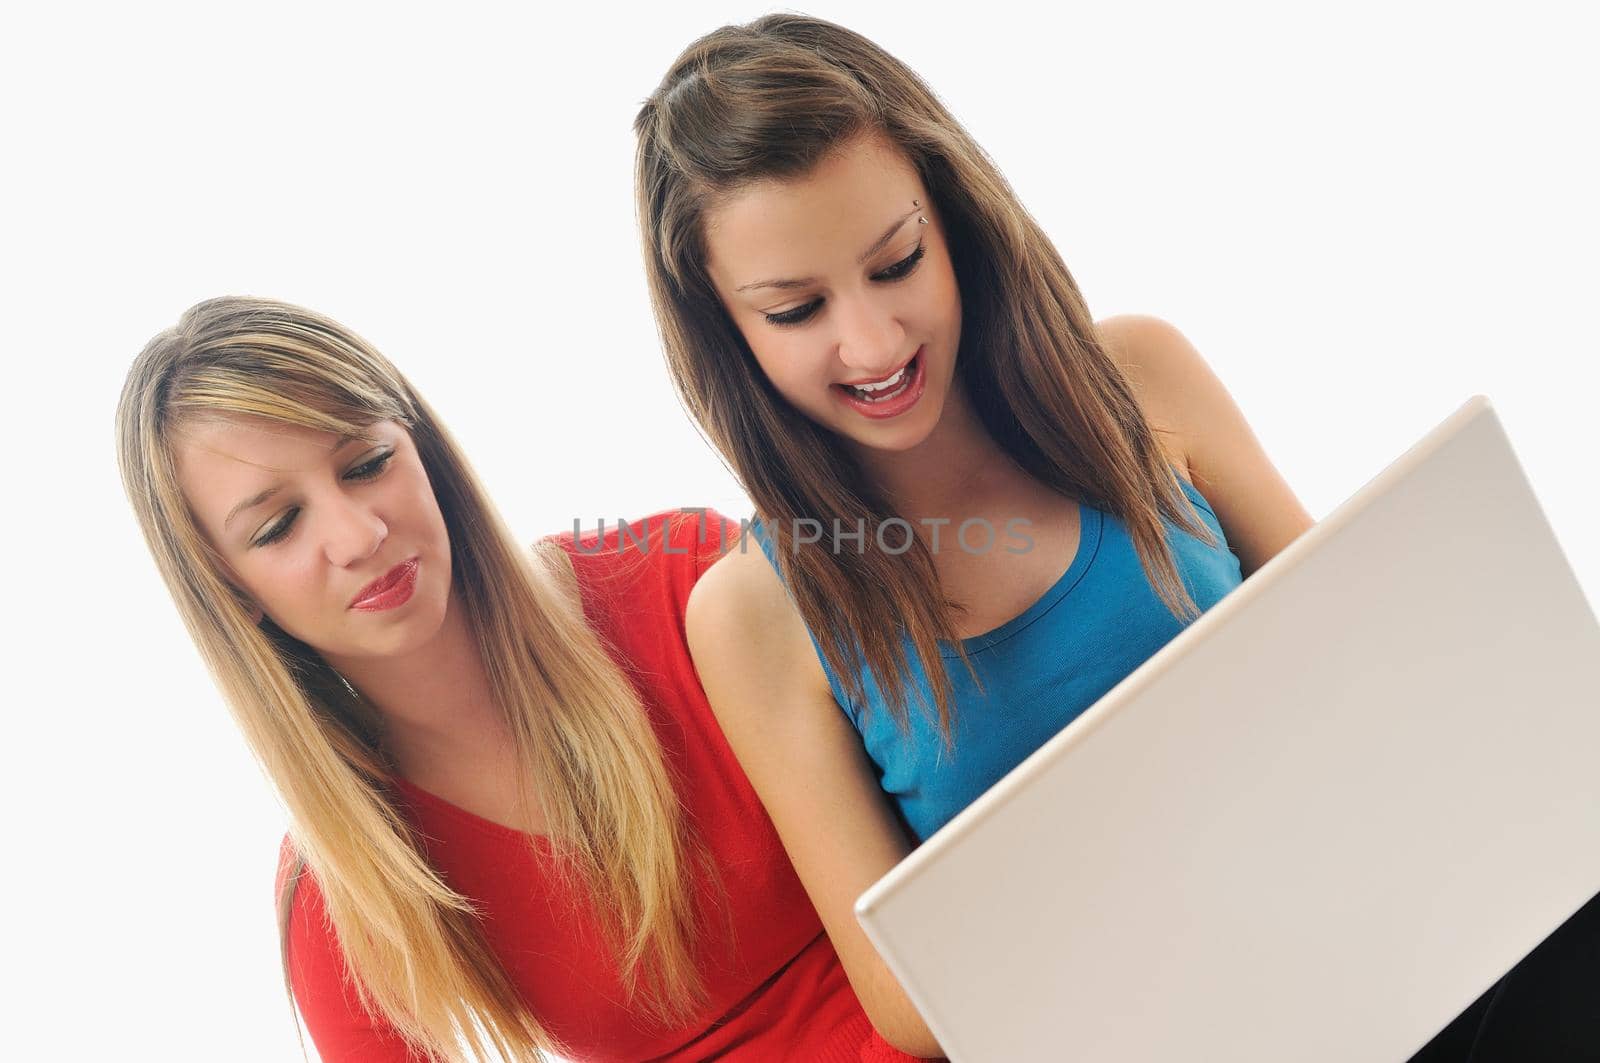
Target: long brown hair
column 414, row 945
column 769, row 100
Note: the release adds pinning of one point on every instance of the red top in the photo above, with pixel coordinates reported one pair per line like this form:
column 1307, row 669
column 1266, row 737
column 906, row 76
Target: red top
column 780, row 994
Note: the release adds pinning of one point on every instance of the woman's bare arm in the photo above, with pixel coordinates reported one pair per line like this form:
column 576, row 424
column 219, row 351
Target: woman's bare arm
column 807, row 763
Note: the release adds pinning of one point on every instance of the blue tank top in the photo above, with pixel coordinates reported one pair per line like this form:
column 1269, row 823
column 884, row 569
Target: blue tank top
column 1040, row 669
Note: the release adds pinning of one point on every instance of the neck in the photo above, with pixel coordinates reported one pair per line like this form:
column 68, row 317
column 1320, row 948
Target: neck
column 948, row 472
column 436, row 701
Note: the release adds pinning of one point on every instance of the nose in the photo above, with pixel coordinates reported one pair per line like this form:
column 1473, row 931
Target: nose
column 870, row 337
column 352, row 532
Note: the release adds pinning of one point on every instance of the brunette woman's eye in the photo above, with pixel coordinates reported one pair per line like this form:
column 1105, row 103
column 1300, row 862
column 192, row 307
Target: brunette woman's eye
column 792, row 317
column 900, row 269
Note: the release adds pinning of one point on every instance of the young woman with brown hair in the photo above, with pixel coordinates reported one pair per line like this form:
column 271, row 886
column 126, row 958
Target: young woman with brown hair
column 890, row 353
column 887, row 349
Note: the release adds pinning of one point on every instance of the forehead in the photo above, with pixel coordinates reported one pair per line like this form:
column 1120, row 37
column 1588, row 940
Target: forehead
column 826, row 216
column 237, row 444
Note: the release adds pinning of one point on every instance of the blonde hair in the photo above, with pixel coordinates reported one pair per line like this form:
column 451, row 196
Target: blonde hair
column 768, row 101
column 413, row 945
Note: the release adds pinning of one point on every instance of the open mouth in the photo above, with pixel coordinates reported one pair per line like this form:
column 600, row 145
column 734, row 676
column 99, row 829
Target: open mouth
column 889, row 388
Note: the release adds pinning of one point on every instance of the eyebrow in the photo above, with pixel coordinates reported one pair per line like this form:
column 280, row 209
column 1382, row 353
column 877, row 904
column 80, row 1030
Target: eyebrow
column 877, row 245
column 255, row 500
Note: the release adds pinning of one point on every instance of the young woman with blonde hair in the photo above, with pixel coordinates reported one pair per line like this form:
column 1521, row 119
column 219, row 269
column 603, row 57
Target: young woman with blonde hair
column 515, row 825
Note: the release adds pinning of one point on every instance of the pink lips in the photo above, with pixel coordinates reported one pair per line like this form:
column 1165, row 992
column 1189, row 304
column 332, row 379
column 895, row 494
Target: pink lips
column 389, row 590
column 904, row 398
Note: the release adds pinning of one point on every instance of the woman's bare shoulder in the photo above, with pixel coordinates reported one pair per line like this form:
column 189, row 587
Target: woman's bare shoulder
column 740, row 617
column 1144, row 348
column 1257, row 508
column 740, row 589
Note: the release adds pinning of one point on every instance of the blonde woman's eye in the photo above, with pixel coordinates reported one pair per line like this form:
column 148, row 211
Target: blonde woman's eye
column 365, row 471
column 279, row 530
column 370, row 469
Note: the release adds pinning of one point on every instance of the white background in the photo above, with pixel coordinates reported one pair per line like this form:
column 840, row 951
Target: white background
column 1360, row 215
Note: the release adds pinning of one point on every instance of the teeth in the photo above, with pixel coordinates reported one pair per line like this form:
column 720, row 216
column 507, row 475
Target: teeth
column 882, row 385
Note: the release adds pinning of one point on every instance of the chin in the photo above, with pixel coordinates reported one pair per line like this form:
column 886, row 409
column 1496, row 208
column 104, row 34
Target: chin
column 410, row 630
column 900, row 435
column 897, row 441
column 403, row 641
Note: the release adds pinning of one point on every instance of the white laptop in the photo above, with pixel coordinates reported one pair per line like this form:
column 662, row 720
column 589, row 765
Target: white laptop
column 1314, row 826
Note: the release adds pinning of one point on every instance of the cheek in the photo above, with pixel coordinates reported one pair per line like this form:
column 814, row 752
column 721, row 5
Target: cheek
column 947, row 296
column 788, row 367
column 288, row 587
column 422, row 507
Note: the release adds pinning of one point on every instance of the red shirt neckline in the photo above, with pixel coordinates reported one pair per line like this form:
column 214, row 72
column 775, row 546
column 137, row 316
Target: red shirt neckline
column 472, row 819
